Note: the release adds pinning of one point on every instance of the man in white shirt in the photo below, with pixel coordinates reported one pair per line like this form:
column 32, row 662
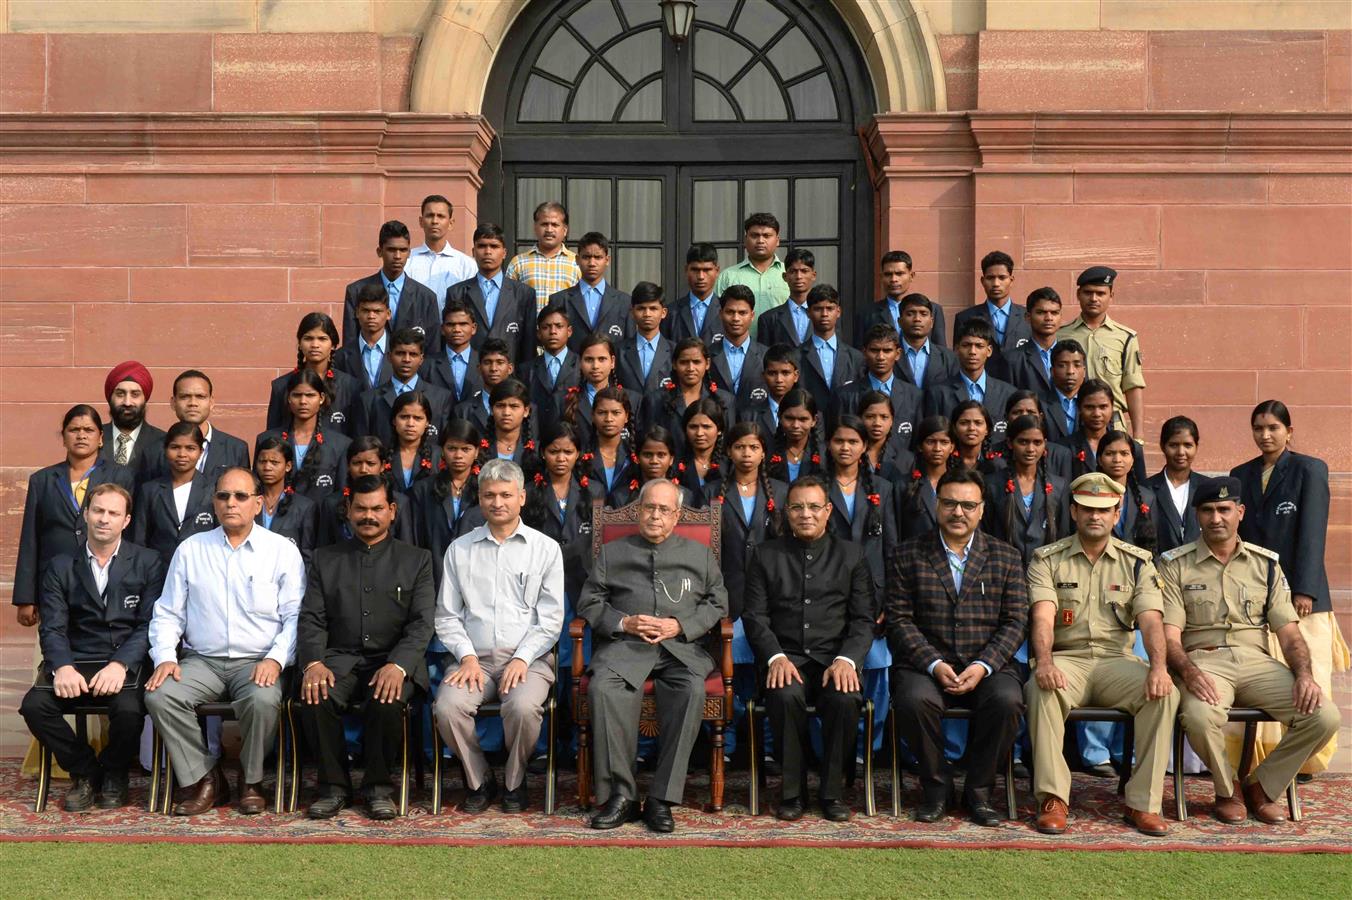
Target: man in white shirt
column 435, row 262
column 232, row 596
column 500, row 614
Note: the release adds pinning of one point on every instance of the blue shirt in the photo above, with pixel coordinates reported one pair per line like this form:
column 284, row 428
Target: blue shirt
column 999, row 319
column 1069, row 409
column 591, row 393
column 699, row 309
column 459, row 366
column 592, row 296
column 849, row 505
column 371, row 357
column 736, row 357
column 918, row 360
column 976, row 390
column 774, row 409
column 554, row 364
column 490, row 288
column 793, row 470
column 799, row 316
column 1046, row 359
column 894, row 310
column 884, row 386
column 826, row 352
column 299, row 451
column 393, row 289
column 748, row 507
column 609, row 472
column 403, row 387
column 647, row 352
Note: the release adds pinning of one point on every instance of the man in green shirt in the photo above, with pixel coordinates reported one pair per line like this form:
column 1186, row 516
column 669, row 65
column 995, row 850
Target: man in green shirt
column 761, row 270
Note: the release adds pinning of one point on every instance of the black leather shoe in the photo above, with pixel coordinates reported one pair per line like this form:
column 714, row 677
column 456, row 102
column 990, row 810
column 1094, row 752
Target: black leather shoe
column 1102, row 770
column 1304, row 778
column 479, row 799
column 113, row 794
column 657, row 816
column 381, row 807
column 790, row 809
column 930, row 812
column 984, row 814
column 328, row 806
column 615, row 812
column 80, row 797
column 516, row 800
column 835, row 810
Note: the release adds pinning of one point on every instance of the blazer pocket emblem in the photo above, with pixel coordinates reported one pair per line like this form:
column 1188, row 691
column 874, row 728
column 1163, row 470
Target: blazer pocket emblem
column 1285, row 508
column 131, row 601
column 204, row 518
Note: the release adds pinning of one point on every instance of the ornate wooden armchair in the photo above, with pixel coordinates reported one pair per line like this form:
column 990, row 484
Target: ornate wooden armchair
column 705, row 526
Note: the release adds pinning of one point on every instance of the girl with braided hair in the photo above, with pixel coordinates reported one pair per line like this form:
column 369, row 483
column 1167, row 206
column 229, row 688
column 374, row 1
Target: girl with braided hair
column 886, row 453
column 366, row 455
column 1026, row 506
column 971, row 431
column 559, row 504
column 932, row 447
column 1136, row 520
column 608, row 456
column 284, row 511
column 596, row 373
column 656, row 458
column 447, row 505
column 690, row 383
column 1094, row 405
column 318, row 450
column 415, row 447
column 797, row 443
column 508, row 436
column 700, row 468
column 1027, row 403
column 317, row 350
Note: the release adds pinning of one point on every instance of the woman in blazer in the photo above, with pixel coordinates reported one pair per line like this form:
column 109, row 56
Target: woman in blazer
column 317, row 447
column 1174, row 484
column 316, row 349
column 284, row 511
column 1286, row 510
column 173, row 508
column 1026, row 505
column 52, row 522
column 917, row 501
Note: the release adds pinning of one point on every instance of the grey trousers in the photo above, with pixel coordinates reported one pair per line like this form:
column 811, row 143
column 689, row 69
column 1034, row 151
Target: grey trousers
column 615, row 710
column 173, row 708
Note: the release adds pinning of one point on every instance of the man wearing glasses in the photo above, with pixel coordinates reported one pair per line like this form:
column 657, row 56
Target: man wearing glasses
column 957, row 606
column 649, row 600
column 809, row 618
column 231, row 596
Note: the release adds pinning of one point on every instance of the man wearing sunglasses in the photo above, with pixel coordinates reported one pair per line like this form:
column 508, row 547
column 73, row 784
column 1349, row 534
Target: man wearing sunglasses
column 957, row 607
column 231, row 597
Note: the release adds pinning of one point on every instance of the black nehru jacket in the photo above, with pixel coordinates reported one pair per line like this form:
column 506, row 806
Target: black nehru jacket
column 810, row 600
column 368, row 606
column 80, row 624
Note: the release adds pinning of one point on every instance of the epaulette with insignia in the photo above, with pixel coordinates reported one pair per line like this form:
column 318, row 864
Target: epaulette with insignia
column 1178, row 551
column 1135, row 551
column 1049, row 549
column 1262, row 551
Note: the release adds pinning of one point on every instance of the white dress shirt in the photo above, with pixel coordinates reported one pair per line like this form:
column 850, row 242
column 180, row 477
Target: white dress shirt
column 501, row 596
column 439, row 270
column 100, row 572
column 230, row 602
column 181, row 500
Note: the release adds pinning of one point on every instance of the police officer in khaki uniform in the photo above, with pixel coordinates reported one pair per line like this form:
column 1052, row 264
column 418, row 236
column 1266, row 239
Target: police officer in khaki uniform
column 1221, row 595
column 1086, row 593
column 1113, row 350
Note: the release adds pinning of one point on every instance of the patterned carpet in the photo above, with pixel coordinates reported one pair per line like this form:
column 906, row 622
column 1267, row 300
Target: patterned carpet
column 1096, row 823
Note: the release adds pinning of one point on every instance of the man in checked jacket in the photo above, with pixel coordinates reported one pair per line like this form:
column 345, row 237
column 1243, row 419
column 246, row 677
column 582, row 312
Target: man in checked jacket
column 957, row 609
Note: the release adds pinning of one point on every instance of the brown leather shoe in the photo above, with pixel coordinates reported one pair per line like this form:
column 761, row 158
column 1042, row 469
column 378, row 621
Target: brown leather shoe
column 251, row 800
column 1051, row 816
column 1230, row 810
column 1146, row 822
column 1264, row 810
column 212, row 790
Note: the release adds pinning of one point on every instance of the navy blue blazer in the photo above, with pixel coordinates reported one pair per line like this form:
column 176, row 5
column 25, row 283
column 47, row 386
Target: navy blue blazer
column 437, row 370
column 295, row 519
column 880, row 313
column 324, row 469
column 775, row 326
column 371, row 413
column 1174, row 530
column 679, row 323
column 1017, row 333
column 53, row 524
column 148, row 448
column 740, row 537
column 346, row 360
column 1291, row 519
column 155, row 523
column 1030, row 529
column 907, row 404
column 942, row 366
column 751, row 384
column 848, row 370
column 613, row 320
column 942, row 398
column 418, row 309
column 224, row 451
column 1023, row 367
column 513, row 317
column 543, row 394
column 80, row 624
column 435, row 523
column 879, row 544
column 630, row 371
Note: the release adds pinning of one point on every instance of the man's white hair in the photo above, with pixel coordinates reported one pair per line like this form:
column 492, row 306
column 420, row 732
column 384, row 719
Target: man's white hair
column 502, row 470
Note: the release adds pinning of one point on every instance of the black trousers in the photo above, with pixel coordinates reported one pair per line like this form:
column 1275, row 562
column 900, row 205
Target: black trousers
column 919, row 704
column 786, row 708
column 382, row 731
column 45, row 714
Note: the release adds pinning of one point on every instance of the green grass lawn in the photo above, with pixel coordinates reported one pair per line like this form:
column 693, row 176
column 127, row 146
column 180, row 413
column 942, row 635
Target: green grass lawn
column 187, row 870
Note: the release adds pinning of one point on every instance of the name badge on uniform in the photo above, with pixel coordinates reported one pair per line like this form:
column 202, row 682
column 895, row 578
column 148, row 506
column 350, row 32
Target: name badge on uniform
column 1067, row 584
column 1067, row 616
column 131, row 601
column 1194, row 587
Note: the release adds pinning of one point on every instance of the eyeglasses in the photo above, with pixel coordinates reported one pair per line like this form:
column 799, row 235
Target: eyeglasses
column 240, row 496
column 949, row 504
column 655, row 509
column 813, row 508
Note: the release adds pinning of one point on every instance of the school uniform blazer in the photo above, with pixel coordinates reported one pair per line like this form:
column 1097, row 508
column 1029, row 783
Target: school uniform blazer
column 224, row 451
column 758, row 411
column 626, row 471
column 907, row 404
column 879, row 313
column 679, row 323
column 918, row 514
column 1017, row 332
column 572, row 530
column 751, row 386
column 942, row 398
column 1023, row 368
column 435, row 524
column 1132, row 501
column 583, row 419
column 1030, row 530
column 418, row 309
column 325, row 473
column 701, row 495
column 330, row 516
column 296, row 519
column 1083, row 458
column 896, row 466
column 1291, row 519
column 613, row 320
column 513, row 317
column 1174, row 530
column 942, row 366
column 437, row 371
column 848, row 370
column 371, row 414
column 775, row 326
column 368, row 606
column 630, row 372
column 740, row 538
column 52, row 523
column 346, row 360
column 79, row 623
column 878, row 547
column 148, row 448
column 655, row 412
column 155, row 524
column 544, row 395
column 929, row 620
column 1057, row 459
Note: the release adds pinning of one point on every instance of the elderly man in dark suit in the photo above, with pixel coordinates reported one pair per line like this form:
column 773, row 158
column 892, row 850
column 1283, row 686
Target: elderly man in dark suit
column 957, row 609
column 649, row 600
column 363, row 632
column 809, row 619
column 96, row 605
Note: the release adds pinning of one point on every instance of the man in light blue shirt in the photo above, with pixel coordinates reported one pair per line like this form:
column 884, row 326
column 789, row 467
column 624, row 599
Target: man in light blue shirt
column 231, row 596
column 435, row 262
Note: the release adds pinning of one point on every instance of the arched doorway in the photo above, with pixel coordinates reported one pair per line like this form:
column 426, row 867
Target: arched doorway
column 658, row 146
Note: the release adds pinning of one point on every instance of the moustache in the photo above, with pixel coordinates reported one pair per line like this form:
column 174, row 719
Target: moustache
column 370, row 523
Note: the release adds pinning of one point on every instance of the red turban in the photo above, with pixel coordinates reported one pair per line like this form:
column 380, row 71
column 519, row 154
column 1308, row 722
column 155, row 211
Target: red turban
column 128, row 371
